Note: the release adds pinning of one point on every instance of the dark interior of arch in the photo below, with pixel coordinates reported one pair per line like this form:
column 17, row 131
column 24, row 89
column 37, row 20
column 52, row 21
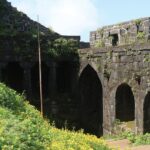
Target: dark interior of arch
column 64, row 76
column 91, row 107
column 35, row 80
column 125, row 105
column 147, row 114
column 12, row 75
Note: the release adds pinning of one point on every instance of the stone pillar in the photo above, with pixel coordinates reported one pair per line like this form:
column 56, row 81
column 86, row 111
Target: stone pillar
column 52, row 85
column 2, row 66
column 27, row 79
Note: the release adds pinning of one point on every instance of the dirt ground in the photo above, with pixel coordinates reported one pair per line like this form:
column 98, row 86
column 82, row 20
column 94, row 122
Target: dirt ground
column 126, row 145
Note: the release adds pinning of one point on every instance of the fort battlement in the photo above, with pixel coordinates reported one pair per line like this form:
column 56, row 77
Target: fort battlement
column 121, row 34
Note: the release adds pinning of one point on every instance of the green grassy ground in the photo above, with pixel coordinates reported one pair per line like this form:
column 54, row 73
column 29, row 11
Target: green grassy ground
column 22, row 128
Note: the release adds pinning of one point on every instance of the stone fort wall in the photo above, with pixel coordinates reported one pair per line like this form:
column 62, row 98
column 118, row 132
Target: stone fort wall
column 121, row 33
column 116, row 66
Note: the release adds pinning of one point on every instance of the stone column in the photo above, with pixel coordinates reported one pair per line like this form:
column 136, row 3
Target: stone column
column 52, row 78
column 2, row 66
column 27, row 79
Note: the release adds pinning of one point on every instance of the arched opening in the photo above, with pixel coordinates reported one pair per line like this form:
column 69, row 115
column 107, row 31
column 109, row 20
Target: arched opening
column 125, row 105
column 91, row 108
column 147, row 113
column 64, row 76
column 35, row 80
column 12, row 75
column 114, row 39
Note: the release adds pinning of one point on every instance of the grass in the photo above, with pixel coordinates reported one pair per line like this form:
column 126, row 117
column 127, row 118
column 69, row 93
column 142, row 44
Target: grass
column 23, row 128
column 125, row 130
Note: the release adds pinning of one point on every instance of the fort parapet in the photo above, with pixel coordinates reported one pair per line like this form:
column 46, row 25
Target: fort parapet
column 121, row 34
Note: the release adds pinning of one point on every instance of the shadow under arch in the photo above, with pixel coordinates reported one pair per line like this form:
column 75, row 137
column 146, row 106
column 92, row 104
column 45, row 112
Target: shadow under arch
column 91, row 103
column 92, row 65
column 12, row 75
column 125, row 103
column 146, row 110
column 35, row 80
column 64, row 76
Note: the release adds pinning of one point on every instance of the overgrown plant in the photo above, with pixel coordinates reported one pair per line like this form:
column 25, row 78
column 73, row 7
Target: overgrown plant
column 22, row 127
column 99, row 44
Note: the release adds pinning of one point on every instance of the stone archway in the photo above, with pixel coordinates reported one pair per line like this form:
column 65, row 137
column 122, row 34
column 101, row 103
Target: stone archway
column 147, row 113
column 12, row 75
column 125, row 104
column 91, row 108
column 35, row 80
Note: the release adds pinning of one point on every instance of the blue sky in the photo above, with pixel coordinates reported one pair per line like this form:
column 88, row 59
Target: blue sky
column 79, row 17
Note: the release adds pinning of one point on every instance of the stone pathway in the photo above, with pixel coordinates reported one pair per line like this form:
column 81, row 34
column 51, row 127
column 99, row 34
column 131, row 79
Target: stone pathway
column 125, row 145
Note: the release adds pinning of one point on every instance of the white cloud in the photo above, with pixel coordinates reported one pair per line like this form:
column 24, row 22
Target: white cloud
column 71, row 17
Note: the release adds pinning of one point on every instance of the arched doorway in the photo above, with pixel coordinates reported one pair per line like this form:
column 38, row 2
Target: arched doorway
column 12, row 75
column 35, row 80
column 147, row 113
column 64, row 76
column 91, row 108
column 125, row 104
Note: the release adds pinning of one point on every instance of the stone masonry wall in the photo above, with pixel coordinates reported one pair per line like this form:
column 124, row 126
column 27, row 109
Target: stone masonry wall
column 18, row 34
column 115, row 66
column 121, row 34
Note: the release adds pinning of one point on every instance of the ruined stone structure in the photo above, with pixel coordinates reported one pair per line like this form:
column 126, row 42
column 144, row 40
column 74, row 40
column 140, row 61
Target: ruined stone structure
column 115, row 84
column 114, row 78
column 122, row 33
column 106, row 83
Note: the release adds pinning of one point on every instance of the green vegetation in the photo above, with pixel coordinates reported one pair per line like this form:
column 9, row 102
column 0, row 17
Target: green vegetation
column 99, row 44
column 100, row 32
column 125, row 130
column 140, row 36
column 22, row 127
column 146, row 58
column 137, row 22
column 136, row 139
column 19, row 33
column 62, row 47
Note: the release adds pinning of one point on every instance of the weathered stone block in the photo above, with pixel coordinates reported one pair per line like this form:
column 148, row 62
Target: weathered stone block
column 114, row 31
column 136, row 66
column 127, row 59
column 146, row 23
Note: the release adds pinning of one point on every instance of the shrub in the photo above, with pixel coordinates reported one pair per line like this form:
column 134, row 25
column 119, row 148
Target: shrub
column 140, row 36
column 23, row 128
column 99, row 44
column 10, row 99
column 142, row 139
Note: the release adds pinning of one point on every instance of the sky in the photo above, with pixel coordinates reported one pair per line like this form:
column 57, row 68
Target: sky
column 79, row 17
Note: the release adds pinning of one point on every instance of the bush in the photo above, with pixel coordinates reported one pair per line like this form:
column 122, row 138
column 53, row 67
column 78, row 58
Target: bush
column 129, row 135
column 23, row 128
column 142, row 139
column 10, row 99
